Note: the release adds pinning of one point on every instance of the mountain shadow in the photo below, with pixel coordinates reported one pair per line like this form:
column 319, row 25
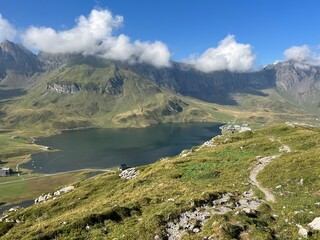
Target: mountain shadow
column 215, row 87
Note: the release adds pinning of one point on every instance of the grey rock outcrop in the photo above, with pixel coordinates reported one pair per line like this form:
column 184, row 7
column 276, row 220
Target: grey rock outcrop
column 114, row 86
column 299, row 80
column 64, row 88
column 129, row 173
column 194, row 220
column 45, row 197
column 63, row 190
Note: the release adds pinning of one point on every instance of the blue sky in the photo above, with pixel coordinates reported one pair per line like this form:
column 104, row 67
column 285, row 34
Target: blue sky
column 187, row 27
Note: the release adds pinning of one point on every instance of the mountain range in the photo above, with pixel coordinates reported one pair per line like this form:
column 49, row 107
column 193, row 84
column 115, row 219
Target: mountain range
column 66, row 91
column 261, row 184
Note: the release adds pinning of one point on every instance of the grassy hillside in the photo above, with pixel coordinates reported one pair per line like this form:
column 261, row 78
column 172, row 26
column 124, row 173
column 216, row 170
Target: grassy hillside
column 106, row 96
column 90, row 92
column 109, row 207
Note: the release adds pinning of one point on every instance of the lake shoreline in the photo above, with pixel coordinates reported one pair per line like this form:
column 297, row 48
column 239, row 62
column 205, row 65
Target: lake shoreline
column 40, row 140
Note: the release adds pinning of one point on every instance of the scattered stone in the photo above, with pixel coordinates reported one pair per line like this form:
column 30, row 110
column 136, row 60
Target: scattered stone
column 44, row 148
column 247, row 210
column 303, row 232
column 224, row 199
column 211, row 142
column 284, row 148
column 196, row 230
column 250, row 203
column 193, row 221
column 14, row 209
column 294, row 124
column 129, row 173
column 315, row 224
column 297, row 212
column 245, row 129
column 2, row 219
column 235, row 128
column 185, row 153
column 63, row 190
column 45, row 197
column 248, row 194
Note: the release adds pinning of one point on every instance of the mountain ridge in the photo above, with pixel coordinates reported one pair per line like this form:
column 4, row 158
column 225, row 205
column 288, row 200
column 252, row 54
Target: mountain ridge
column 71, row 90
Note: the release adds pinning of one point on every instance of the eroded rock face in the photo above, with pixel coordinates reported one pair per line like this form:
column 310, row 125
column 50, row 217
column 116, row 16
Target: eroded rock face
column 63, row 88
column 299, row 79
column 114, row 86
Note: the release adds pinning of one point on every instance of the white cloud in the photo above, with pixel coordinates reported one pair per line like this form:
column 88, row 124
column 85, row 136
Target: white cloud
column 93, row 35
column 7, row 30
column 228, row 55
column 302, row 54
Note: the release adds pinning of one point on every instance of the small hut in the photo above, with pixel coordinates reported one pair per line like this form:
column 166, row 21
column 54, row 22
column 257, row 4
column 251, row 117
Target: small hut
column 122, row 167
column 5, row 172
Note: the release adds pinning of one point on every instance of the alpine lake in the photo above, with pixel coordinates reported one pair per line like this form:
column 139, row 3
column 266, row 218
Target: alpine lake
column 107, row 148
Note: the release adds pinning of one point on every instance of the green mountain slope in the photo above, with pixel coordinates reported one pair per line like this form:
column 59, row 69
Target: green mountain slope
column 212, row 182
column 87, row 95
column 68, row 91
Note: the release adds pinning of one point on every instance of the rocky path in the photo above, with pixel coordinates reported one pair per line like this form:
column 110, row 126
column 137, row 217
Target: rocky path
column 263, row 162
column 253, row 176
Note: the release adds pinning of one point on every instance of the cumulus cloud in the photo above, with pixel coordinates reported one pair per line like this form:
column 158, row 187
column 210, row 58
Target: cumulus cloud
column 302, row 54
column 228, row 55
column 7, row 30
column 93, row 35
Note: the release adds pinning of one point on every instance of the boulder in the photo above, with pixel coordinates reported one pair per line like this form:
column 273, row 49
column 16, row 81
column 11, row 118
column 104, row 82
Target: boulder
column 315, row 224
column 63, row 190
column 302, row 231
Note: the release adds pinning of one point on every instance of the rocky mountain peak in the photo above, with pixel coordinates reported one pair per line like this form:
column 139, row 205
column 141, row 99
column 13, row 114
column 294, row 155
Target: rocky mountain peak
column 16, row 63
column 6, row 44
column 295, row 75
column 50, row 61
